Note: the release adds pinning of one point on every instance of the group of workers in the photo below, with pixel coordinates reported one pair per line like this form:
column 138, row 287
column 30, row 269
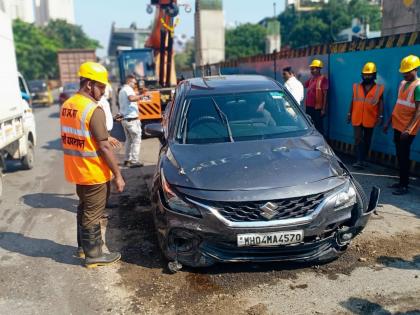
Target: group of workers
column 90, row 164
column 366, row 110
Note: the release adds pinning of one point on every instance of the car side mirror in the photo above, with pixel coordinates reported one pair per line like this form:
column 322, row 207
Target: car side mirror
column 155, row 130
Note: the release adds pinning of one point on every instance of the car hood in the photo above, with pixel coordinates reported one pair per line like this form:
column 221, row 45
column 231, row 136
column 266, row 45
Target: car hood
column 251, row 165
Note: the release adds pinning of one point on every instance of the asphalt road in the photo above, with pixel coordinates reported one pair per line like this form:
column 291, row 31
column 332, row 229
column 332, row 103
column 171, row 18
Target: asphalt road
column 380, row 273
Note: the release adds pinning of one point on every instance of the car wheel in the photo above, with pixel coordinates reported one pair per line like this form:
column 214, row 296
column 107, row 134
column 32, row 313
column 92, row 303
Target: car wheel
column 29, row 159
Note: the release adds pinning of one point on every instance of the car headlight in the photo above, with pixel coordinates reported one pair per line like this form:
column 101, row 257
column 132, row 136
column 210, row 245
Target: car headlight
column 345, row 197
column 175, row 203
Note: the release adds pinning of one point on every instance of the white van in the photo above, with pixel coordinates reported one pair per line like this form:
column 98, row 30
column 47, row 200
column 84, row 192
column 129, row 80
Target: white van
column 17, row 122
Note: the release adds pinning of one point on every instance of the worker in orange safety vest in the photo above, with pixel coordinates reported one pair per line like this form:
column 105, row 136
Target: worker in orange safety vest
column 316, row 95
column 405, row 119
column 365, row 111
column 89, row 161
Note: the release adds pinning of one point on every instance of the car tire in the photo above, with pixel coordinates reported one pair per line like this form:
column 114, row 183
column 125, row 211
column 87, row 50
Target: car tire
column 29, row 159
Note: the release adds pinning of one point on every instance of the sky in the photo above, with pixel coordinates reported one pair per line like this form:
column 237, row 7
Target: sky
column 96, row 16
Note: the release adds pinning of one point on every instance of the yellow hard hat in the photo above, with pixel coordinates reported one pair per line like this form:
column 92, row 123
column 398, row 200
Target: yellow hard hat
column 316, row 63
column 409, row 63
column 369, row 68
column 94, row 71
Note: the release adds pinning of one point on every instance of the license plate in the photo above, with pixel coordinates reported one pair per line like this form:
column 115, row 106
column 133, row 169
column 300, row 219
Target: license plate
column 270, row 239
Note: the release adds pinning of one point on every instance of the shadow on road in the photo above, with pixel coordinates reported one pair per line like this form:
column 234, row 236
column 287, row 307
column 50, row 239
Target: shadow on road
column 53, row 145
column 400, row 263
column 51, row 200
column 362, row 307
column 54, row 115
column 382, row 177
column 37, row 247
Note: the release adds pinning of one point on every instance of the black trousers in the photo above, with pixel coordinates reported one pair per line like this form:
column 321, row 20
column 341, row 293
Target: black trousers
column 316, row 118
column 403, row 147
column 362, row 140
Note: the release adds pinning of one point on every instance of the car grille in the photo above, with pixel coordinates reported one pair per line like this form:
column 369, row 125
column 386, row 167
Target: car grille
column 286, row 208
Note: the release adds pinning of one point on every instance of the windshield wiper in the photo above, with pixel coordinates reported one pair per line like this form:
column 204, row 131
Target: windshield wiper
column 224, row 118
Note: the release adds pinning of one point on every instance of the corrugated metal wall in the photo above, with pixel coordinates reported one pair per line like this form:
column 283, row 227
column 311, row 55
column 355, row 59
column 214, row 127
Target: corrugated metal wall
column 343, row 63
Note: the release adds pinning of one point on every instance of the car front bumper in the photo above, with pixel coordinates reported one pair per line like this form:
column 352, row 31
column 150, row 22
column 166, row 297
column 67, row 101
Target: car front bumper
column 203, row 241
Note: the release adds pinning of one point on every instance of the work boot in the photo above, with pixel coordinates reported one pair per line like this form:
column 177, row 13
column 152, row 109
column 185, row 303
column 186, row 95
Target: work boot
column 79, row 252
column 92, row 247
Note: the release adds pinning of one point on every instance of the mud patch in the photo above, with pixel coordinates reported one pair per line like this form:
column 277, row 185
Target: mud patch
column 371, row 252
column 218, row 289
column 259, row 309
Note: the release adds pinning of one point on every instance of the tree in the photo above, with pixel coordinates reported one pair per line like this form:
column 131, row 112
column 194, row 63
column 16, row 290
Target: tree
column 309, row 32
column 245, row 40
column 36, row 47
column 322, row 26
column 35, row 52
column 185, row 59
column 69, row 36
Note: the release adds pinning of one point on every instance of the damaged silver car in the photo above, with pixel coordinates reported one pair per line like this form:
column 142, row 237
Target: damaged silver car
column 243, row 175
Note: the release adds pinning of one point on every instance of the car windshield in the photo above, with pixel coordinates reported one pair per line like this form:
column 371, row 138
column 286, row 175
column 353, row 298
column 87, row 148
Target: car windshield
column 239, row 117
column 71, row 87
column 37, row 86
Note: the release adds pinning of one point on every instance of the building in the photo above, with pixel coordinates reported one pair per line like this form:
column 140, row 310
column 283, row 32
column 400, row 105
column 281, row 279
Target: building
column 311, row 5
column 18, row 9
column 306, row 5
column 127, row 38
column 273, row 38
column 46, row 10
column 400, row 16
column 209, row 32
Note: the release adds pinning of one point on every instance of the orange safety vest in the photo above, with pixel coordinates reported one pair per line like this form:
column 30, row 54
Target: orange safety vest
column 82, row 163
column 319, row 96
column 365, row 109
column 405, row 108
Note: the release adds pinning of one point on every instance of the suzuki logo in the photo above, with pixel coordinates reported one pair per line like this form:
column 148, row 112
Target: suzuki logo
column 269, row 210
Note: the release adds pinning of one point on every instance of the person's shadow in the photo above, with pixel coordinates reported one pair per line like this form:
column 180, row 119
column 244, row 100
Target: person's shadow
column 39, row 248
column 51, row 200
column 361, row 306
column 400, row 263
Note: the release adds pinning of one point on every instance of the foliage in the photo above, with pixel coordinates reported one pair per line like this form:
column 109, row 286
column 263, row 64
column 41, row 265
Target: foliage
column 245, row 40
column 301, row 34
column 36, row 47
column 69, row 36
column 322, row 26
column 185, row 59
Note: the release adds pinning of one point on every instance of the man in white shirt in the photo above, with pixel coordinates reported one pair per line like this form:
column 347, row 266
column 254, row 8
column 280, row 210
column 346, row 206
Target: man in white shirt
column 130, row 121
column 293, row 85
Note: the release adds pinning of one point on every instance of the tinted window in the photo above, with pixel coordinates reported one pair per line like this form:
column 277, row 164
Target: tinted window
column 240, row 117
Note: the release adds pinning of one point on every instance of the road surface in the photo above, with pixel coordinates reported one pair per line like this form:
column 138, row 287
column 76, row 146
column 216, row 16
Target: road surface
column 380, row 274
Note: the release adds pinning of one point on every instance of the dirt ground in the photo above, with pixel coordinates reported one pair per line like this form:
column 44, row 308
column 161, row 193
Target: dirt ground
column 379, row 274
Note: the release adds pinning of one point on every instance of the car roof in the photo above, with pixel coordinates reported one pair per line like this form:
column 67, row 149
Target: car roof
column 229, row 84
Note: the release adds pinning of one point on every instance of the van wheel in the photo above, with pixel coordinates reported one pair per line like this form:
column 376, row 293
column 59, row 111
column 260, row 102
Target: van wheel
column 29, row 159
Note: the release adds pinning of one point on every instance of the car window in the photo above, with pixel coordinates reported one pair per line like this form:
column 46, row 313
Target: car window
column 240, row 117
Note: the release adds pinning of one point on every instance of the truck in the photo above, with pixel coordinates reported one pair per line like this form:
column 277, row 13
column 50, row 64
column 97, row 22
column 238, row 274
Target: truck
column 17, row 121
column 69, row 61
column 153, row 65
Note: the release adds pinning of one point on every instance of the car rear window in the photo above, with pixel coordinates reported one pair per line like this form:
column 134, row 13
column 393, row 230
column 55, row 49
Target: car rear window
column 239, row 117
